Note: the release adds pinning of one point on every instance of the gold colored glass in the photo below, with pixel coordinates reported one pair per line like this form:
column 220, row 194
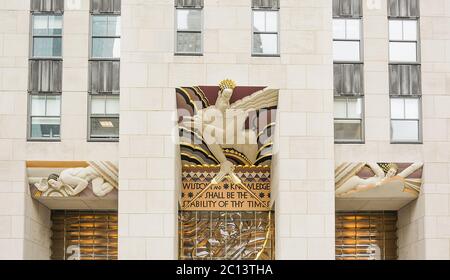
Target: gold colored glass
column 84, row 235
column 214, row 235
column 366, row 236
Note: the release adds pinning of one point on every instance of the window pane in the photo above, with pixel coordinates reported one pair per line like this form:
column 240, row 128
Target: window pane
column 40, row 25
column 112, row 105
column 189, row 42
column 354, row 108
column 353, row 29
column 98, row 105
column 265, row 43
column 346, row 51
column 271, row 21
column 410, row 30
column 259, row 21
column 114, row 26
column 189, row 20
column 38, row 105
column 45, row 127
column 340, row 108
column 106, row 47
column 347, row 130
column 99, row 26
column 397, row 108
column 47, row 47
column 402, row 52
column 55, row 25
column 412, row 108
column 104, row 127
column 106, row 26
column 407, row 131
column 395, row 30
column 339, row 29
column 53, row 105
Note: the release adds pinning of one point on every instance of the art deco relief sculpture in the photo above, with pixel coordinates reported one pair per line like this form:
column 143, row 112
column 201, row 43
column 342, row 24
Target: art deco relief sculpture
column 222, row 126
column 102, row 176
column 226, row 139
column 354, row 178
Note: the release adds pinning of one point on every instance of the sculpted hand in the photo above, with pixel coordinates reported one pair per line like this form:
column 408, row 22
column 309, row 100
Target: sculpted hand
column 226, row 168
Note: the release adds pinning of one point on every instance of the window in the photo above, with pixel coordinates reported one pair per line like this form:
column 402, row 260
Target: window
column 47, row 36
column 45, row 70
column 45, row 116
column 348, row 119
column 189, row 31
column 84, row 235
column 403, row 37
column 105, row 36
column 104, row 120
column 104, row 71
column 265, row 41
column 366, row 236
column 346, row 40
column 405, row 120
column 265, row 32
column 348, row 72
column 404, row 71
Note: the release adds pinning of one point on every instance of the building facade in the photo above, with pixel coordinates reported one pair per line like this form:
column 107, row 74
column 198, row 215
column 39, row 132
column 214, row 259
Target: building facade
column 359, row 155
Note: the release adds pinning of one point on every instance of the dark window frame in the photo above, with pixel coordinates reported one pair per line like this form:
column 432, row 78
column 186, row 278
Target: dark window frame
column 91, row 116
column 419, row 119
column 33, row 36
column 265, row 10
column 361, row 119
column 200, row 31
column 92, row 37
column 417, row 42
column 30, row 117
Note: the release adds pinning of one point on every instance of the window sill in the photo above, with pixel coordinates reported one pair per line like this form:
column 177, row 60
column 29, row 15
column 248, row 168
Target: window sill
column 104, row 140
column 104, row 59
column 43, row 140
column 407, row 143
column 349, row 142
column 266, row 55
column 188, row 54
column 57, row 58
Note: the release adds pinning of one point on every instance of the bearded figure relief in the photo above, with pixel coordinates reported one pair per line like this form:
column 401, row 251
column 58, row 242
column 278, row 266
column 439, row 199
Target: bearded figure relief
column 100, row 176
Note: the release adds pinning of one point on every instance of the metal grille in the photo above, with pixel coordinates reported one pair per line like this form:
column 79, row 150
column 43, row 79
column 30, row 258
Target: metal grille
column 84, row 235
column 403, row 8
column 266, row 4
column 45, row 76
column 404, row 80
column 347, row 8
column 366, row 236
column 348, row 80
column 105, row 6
column 56, row 6
column 104, row 76
column 214, row 235
column 189, row 3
